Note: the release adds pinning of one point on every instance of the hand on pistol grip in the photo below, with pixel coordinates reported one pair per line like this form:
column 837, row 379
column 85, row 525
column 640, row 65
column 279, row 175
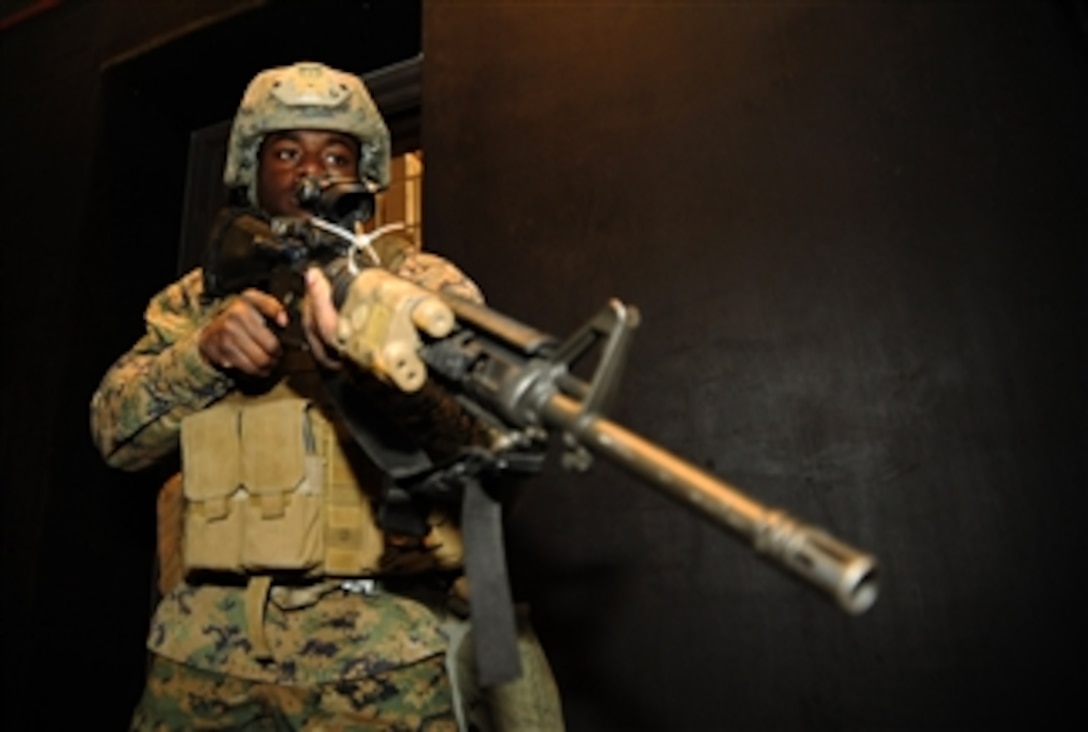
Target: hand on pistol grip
column 380, row 323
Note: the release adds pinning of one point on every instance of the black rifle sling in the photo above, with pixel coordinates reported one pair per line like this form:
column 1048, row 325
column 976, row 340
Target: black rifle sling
column 494, row 630
column 493, row 626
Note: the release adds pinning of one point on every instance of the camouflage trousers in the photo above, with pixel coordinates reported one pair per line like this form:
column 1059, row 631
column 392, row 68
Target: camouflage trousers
column 179, row 697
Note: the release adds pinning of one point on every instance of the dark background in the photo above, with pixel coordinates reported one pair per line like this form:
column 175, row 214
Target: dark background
column 856, row 233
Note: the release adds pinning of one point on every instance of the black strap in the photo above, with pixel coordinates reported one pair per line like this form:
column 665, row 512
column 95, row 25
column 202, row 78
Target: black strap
column 493, row 624
column 379, row 436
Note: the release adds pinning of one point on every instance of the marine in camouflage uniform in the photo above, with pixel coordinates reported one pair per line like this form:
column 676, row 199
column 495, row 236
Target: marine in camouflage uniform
column 339, row 654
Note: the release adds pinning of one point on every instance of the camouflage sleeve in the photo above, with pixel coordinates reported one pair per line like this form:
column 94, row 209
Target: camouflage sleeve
column 432, row 272
column 137, row 409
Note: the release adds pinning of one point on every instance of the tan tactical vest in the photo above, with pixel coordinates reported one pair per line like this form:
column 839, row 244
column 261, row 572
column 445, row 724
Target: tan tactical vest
column 271, row 483
column 274, row 484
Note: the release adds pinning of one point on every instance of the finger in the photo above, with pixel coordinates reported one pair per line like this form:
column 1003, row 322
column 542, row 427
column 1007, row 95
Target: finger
column 232, row 347
column 237, row 359
column 246, row 321
column 239, row 338
column 267, row 306
column 325, row 353
column 253, row 355
column 322, row 309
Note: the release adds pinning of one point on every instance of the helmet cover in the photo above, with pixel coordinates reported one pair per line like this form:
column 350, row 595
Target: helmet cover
column 306, row 96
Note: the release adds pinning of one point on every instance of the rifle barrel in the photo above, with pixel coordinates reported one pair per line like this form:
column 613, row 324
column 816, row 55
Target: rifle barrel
column 846, row 574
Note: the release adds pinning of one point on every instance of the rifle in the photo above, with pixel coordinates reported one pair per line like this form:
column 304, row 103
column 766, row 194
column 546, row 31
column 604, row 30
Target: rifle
column 517, row 381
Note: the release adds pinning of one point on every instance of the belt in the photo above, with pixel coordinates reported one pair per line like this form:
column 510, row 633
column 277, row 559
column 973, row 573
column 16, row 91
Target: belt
column 430, row 589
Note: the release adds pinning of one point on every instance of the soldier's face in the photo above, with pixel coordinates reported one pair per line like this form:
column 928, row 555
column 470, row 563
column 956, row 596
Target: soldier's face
column 287, row 157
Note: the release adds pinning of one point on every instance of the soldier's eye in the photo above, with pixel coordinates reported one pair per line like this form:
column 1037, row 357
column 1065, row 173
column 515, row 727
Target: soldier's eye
column 339, row 157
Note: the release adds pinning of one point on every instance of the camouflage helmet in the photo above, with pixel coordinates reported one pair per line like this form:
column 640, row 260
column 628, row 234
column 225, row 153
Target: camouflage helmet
column 306, row 96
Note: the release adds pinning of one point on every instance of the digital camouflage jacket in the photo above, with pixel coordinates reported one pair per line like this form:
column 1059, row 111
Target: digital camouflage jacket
column 136, row 414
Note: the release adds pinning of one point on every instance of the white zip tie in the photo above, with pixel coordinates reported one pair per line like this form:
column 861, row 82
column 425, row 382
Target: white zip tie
column 361, row 241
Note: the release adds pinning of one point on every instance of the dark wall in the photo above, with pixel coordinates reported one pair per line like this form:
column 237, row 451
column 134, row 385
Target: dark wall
column 99, row 99
column 856, row 232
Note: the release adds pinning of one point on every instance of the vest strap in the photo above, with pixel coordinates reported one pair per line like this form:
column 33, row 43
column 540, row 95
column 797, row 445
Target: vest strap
column 256, row 601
